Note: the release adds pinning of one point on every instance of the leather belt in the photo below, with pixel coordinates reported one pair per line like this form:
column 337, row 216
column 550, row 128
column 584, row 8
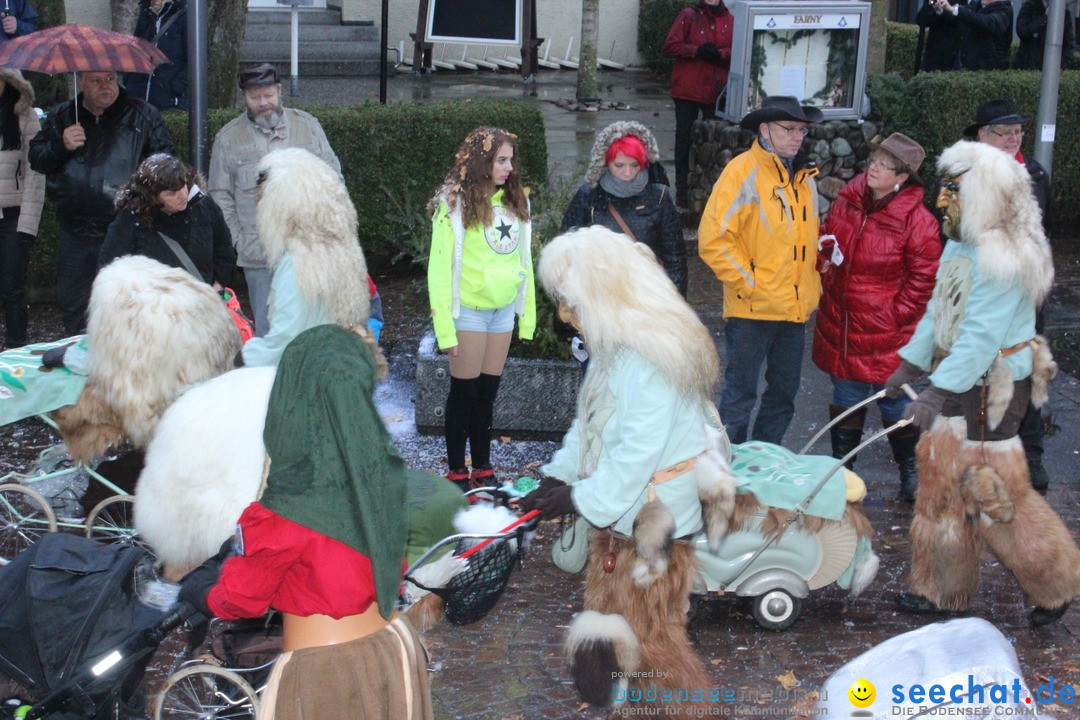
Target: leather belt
column 1012, row 350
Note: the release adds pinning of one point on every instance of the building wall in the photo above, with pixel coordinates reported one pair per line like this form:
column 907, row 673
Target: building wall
column 557, row 21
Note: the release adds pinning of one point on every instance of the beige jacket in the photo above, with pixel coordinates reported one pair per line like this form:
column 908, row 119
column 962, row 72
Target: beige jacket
column 234, row 159
column 20, row 186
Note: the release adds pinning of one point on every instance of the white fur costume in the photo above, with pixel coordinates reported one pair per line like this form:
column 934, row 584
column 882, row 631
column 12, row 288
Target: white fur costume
column 152, row 331
column 203, row 467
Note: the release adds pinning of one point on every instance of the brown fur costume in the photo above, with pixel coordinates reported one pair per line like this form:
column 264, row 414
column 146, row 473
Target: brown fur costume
column 657, row 612
column 964, row 485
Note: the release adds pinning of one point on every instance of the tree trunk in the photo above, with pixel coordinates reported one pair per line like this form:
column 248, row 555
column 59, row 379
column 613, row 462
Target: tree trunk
column 590, row 31
column 50, row 89
column 124, row 15
column 875, row 52
column 227, row 20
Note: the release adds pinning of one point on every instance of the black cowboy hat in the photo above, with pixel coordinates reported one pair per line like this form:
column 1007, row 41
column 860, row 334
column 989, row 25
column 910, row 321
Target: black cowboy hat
column 780, row 107
column 995, row 112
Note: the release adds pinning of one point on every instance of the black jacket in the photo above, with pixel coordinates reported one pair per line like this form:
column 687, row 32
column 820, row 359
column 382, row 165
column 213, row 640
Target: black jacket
column 1031, row 29
column 200, row 230
column 942, row 40
column 1040, row 184
column 651, row 216
column 169, row 83
column 985, row 34
column 83, row 183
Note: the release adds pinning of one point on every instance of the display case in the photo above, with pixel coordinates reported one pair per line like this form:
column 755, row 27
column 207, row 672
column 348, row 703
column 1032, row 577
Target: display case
column 814, row 51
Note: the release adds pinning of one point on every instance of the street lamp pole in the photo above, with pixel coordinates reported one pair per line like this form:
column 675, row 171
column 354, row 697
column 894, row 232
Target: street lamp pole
column 1046, row 122
column 198, row 122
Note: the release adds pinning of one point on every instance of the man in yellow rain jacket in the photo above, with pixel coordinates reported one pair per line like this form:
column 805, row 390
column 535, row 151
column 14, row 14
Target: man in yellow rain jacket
column 759, row 235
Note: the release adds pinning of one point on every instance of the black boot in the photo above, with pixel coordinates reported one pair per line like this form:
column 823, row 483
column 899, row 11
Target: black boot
column 1031, row 432
column 903, row 442
column 847, row 435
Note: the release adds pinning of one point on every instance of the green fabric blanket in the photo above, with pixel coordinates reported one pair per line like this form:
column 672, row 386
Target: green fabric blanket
column 28, row 389
column 333, row 467
column 783, row 479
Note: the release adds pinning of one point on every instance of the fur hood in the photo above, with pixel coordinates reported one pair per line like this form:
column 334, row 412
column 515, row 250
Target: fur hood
column 13, row 77
column 305, row 210
column 604, row 139
column 623, row 298
column 1001, row 217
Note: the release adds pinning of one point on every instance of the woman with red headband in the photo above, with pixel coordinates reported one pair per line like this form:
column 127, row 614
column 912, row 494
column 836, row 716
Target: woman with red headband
column 626, row 191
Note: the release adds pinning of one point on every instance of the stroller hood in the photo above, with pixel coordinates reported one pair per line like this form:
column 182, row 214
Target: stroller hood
column 66, row 601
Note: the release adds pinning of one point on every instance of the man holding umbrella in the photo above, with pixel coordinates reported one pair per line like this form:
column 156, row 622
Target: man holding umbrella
column 18, row 18
column 87, row 149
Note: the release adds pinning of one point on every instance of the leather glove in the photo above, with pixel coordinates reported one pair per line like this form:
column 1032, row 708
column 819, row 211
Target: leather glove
column 906, row 374
column 926, row 407
column 195, row 586
column 708, row 52
column 556, row 503
column 531, row 501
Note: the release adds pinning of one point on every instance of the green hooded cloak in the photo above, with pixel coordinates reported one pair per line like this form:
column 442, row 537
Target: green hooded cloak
column 333, row 468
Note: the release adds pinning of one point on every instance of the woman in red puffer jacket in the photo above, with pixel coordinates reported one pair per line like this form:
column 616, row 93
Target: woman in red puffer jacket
column 872, row 300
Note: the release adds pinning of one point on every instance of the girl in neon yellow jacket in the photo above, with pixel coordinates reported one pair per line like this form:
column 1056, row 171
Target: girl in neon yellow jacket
column 480, row 276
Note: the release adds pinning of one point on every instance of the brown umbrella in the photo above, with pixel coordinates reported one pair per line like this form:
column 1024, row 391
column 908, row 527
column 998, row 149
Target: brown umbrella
column 80, row 48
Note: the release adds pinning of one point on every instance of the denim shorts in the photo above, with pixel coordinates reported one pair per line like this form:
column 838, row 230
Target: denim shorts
column 485, row 321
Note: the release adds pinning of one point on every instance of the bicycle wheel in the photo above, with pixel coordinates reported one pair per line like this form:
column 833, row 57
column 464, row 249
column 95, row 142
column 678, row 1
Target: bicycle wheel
column 24, row 517
column 112, row 521
column 206, row 692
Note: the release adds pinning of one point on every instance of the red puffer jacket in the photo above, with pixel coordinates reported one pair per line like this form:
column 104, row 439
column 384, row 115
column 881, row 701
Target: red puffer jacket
column 693, row 79
column 871, row 303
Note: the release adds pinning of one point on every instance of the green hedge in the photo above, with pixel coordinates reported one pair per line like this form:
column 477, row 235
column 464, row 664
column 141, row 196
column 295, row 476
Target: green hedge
column 901, row 41
column 654, row 20
column 393, row 158
column 934, row 108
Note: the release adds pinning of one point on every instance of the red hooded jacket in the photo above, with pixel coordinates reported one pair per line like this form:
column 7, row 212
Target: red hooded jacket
column 693, row 79
column 871, row 303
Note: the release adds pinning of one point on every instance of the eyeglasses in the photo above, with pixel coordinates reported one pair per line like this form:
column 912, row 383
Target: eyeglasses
column 802, row 130
column 880, row 162
column 1017, row 133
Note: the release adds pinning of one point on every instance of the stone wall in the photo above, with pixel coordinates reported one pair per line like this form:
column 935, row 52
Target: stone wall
column 838, row 146
column 536, row 397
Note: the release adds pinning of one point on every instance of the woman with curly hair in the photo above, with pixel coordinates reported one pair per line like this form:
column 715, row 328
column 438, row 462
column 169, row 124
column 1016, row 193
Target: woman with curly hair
column 480, row 275
column 163, row 199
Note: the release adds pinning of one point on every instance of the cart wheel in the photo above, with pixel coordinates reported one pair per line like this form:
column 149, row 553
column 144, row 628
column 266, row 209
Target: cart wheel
column 112, row 521
column 205, row 692
column 776, row 609
column 24, row 517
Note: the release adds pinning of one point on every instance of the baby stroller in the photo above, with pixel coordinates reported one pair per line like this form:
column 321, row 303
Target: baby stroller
column 75, row 630
column 805, row 531
column 225, row 683
column 48, row 496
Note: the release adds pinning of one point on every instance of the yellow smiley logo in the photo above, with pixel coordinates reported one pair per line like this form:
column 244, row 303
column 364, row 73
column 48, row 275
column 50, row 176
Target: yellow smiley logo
column 861, row 693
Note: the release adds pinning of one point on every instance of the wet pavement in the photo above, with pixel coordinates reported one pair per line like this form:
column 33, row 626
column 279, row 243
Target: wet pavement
column 510, row 665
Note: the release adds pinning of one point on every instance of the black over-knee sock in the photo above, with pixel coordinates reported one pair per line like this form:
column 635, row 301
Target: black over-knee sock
column 460, row 405
column 480, row 422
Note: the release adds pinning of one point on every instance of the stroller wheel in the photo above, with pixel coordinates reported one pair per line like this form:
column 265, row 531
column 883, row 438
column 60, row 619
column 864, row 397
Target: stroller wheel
column 776, row 609
column 206, row 691
column 113, row 521
column 24, row 517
